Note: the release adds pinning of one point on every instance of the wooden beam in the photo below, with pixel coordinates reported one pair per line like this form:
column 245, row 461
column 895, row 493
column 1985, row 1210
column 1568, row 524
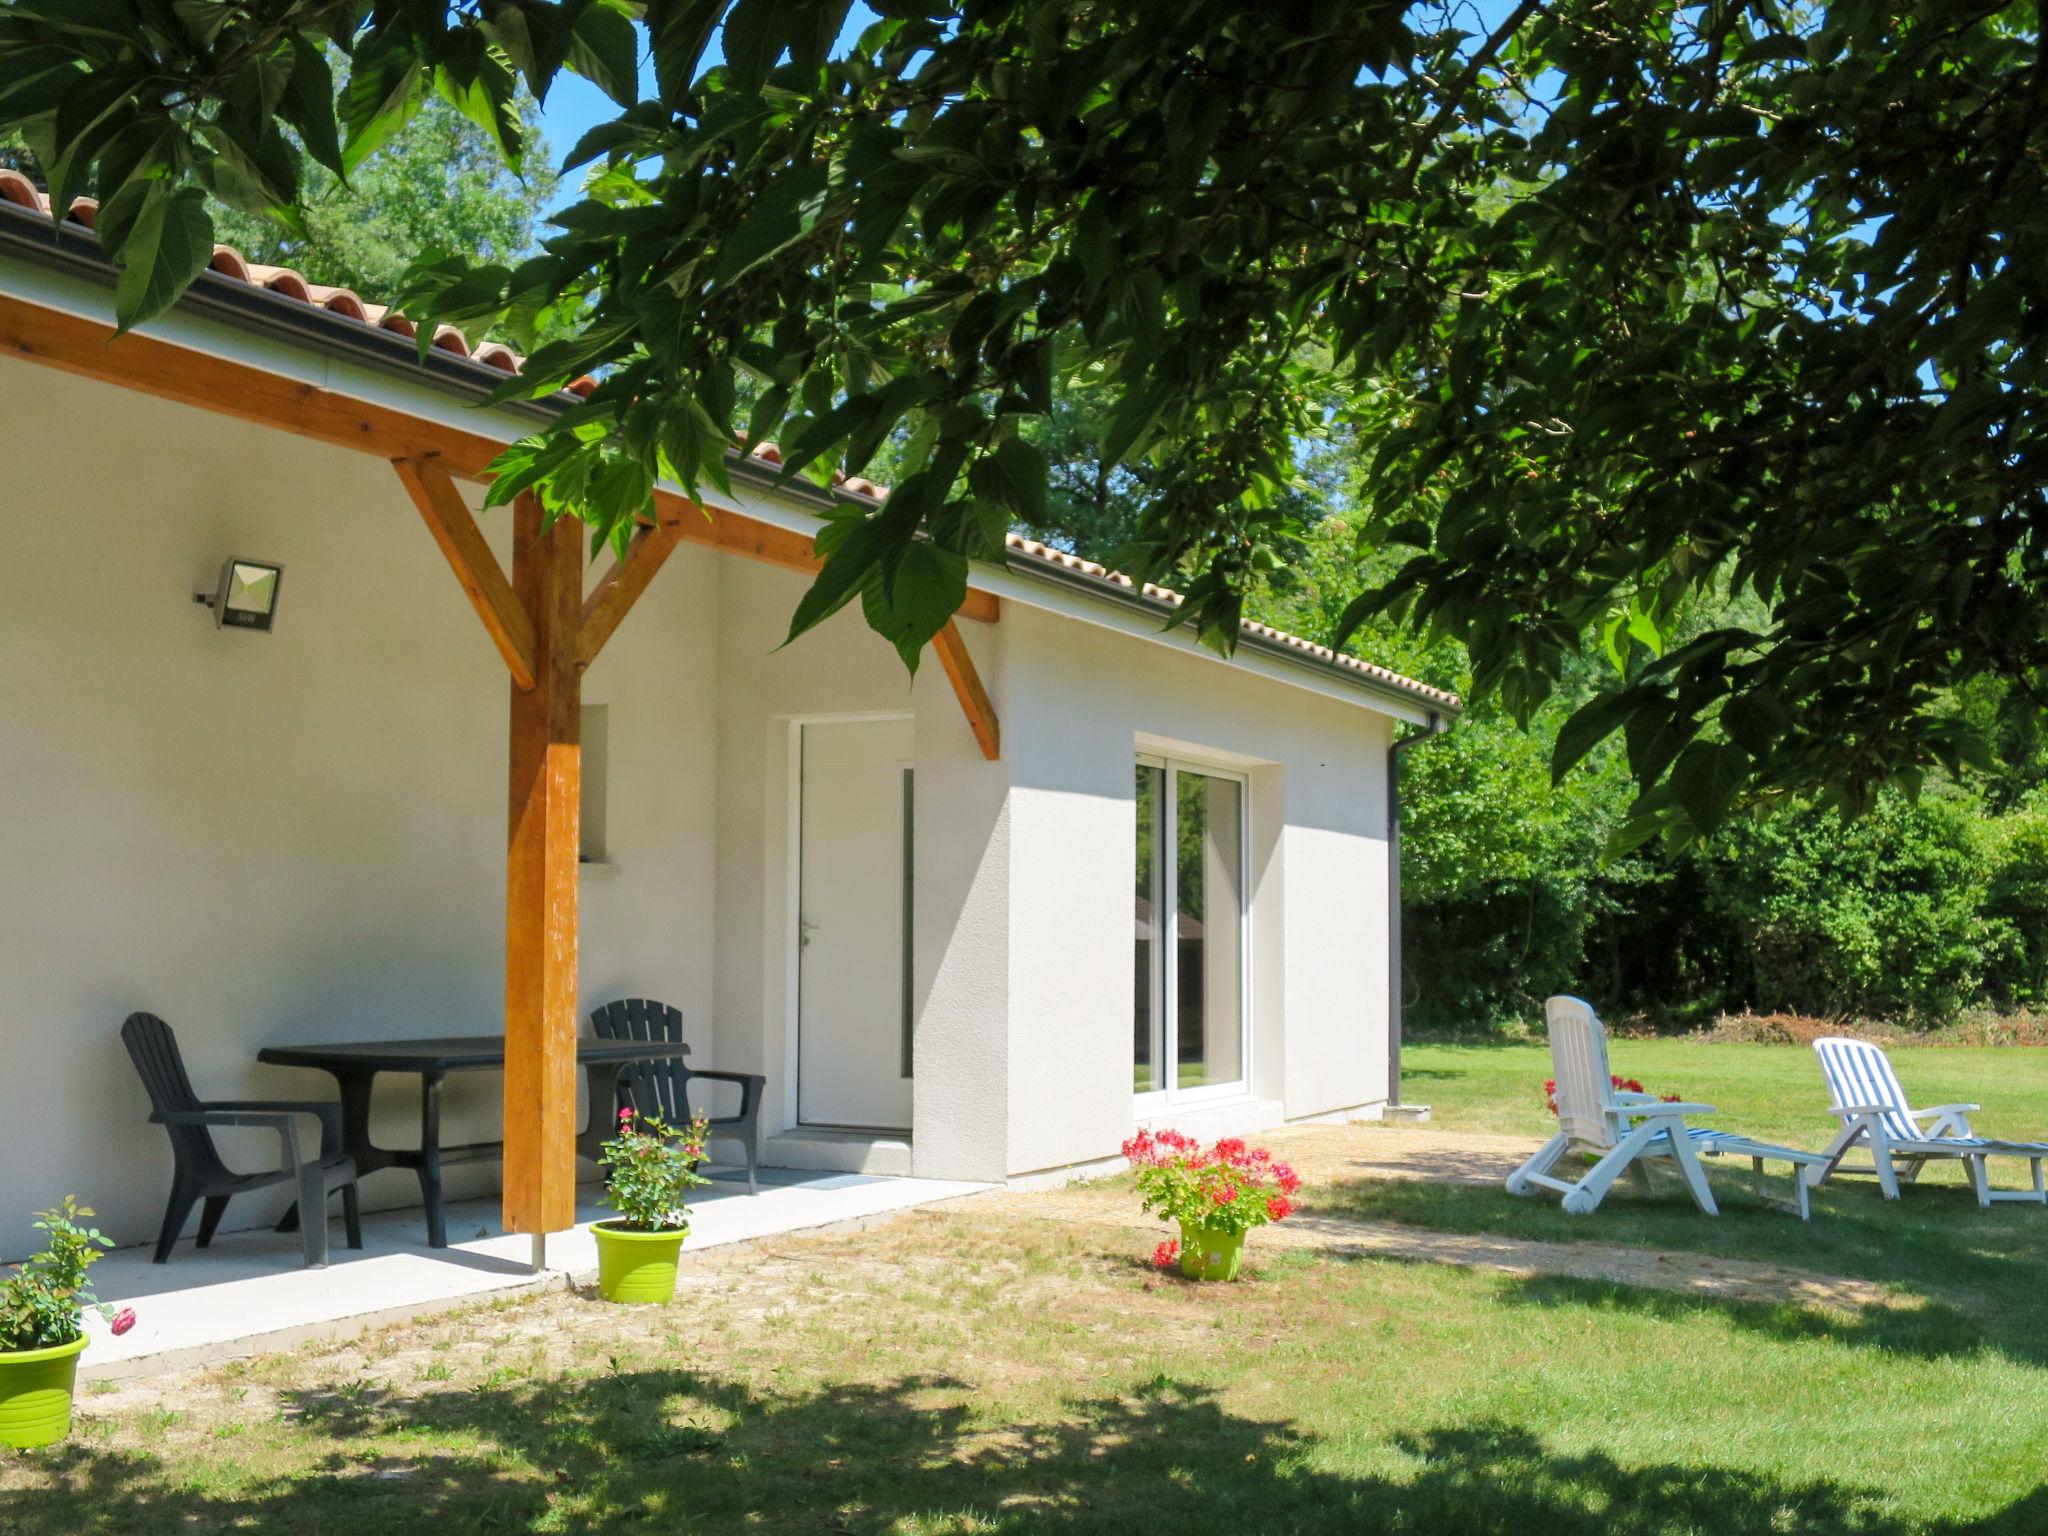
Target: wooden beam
column 974, row 700
column 541, row 884
column 168, row 371
column 620, row 587
column 772, row 544
column 219, row 384
column 448, row 519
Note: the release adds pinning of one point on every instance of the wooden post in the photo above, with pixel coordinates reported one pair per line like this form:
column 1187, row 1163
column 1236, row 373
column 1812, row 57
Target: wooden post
column 540, row 883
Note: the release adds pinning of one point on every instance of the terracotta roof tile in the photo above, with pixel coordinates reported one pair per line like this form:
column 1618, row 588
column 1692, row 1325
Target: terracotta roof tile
column 1059, row 557
column 230, row 263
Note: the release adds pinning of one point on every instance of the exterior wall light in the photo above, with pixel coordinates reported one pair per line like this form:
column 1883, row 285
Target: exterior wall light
column 246, row 597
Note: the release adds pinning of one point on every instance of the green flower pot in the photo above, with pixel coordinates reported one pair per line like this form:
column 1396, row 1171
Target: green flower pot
column 636, row 1266
column 35, row 1394
column 1206, row 1254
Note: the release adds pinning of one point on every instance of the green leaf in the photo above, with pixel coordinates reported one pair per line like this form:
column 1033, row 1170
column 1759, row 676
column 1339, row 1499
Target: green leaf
column 1130, row 428
column 37, row 79
column 1705, row 778
column 679, row 32
column 911, row 602
column 847, row 567
column 385, row 83
column 308, row 103
column 86, row 18
column 751, row 42
column 161, row 247
column 782, row 215
column 256, row 174
column 478, row 83
column 94, row 111
column 605, row 50
column 1589, row 725
column 1014, row 475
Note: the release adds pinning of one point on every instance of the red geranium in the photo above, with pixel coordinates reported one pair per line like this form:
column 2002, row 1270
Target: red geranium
column 1621, row 1085
column 1226, row 1187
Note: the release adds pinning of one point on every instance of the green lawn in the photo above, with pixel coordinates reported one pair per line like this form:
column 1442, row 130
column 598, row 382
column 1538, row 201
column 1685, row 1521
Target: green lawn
column 1773, row 1091
column 1011, row 1365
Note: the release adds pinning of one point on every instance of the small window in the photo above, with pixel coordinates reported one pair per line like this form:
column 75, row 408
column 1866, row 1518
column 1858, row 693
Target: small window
column 596, row 770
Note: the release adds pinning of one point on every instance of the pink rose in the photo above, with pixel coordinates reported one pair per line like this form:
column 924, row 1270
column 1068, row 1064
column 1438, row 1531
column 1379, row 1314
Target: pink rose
column 122, row 1321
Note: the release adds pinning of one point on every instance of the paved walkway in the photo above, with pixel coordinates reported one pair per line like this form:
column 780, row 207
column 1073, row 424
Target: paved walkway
column 249, row 1293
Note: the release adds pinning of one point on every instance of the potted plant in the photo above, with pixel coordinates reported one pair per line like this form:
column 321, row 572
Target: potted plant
column 42, row 1328
column 1216, row 1195
column 652, row 1167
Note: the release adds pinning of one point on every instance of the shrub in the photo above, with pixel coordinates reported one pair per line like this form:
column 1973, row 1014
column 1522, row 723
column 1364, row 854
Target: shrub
column 43, row 1303
column 2016, row 903
column 653, row 1169
column 1880, row 915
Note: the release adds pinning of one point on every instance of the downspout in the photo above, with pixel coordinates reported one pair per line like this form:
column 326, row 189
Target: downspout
column 1434, row 728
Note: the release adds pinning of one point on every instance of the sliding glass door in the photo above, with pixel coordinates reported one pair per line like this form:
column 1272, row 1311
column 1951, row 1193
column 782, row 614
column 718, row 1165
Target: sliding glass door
column 1188, row 1029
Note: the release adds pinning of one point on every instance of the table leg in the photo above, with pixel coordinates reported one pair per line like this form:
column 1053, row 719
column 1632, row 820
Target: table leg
column 430, row 1160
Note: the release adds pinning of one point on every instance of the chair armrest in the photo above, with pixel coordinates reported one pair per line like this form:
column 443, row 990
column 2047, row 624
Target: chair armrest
column 326, row 1110
column 287, row 1136
column 752, row 1086
column 1657, row 1107
column 1949, row 1119
column 1848, row 1112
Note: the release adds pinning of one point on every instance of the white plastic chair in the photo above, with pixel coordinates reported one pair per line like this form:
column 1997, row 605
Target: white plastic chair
column 1872, row 1107
column 1620, row 1129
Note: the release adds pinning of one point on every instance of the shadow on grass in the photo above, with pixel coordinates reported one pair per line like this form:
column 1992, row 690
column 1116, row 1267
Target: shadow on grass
column 668, row 1450
column 1973, row 1277
column 1930, row 1330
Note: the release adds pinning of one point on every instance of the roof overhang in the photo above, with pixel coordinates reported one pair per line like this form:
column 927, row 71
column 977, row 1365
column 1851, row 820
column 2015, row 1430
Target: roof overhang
column 61, row 268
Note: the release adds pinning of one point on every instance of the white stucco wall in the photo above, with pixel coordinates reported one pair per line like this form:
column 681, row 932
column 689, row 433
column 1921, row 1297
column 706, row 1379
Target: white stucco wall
column 960, row 931
column 300, row 836
column 1080, row 698
column 280, row 837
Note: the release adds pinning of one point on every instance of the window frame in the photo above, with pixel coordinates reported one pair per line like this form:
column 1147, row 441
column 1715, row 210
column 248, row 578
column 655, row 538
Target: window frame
column 1166, row 918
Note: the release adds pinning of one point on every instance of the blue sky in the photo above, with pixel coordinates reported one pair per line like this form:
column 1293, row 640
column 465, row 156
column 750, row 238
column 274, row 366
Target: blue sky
column 575, row 106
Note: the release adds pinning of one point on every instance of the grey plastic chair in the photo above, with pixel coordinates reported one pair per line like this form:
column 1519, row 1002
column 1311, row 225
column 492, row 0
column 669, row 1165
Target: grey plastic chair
column 200, row 1175
column 663, row 1087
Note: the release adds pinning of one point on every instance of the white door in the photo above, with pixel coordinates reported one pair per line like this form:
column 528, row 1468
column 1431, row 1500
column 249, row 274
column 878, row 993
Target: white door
column 853, row 1011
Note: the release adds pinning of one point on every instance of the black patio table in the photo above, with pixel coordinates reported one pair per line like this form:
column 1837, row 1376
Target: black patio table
column 355, row 1065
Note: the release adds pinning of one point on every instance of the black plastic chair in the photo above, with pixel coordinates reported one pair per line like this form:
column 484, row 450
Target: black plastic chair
column 663, row 1087
column 199, row 1173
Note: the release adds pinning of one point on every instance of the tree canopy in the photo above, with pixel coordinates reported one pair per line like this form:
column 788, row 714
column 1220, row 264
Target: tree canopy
column 1623, row 304
column 440, row 185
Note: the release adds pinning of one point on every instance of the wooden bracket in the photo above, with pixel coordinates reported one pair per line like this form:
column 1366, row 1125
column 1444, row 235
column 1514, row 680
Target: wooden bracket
column 620, row 587
column 448, row 519
column 974, row 700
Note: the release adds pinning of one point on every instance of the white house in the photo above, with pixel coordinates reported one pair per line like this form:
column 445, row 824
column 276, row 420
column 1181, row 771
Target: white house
column 932, row 912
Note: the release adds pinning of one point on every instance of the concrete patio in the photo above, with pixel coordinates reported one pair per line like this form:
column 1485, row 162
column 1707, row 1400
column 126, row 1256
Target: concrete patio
column 248, row 1294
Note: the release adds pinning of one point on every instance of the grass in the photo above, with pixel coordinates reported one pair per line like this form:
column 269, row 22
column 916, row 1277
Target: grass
column 1010, row 1365
column 1773, row 1091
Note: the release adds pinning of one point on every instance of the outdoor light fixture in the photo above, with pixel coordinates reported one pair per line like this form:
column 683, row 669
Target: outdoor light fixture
column 246, row 597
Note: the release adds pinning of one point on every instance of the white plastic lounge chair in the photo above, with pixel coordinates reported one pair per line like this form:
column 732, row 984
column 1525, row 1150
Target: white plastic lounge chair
column 1622, row 1129
column 1874, row 1114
